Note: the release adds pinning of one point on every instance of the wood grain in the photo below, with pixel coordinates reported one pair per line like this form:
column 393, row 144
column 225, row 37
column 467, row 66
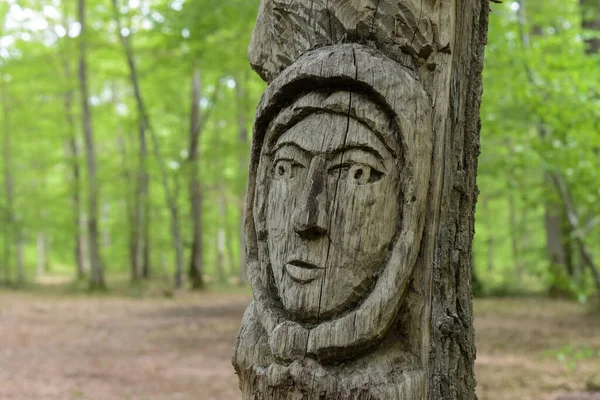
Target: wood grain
column 359, row 209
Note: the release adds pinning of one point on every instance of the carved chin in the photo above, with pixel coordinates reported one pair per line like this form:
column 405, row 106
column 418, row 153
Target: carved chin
column 315, row 295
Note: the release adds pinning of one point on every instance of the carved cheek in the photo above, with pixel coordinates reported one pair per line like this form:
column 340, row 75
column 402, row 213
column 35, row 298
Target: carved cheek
column 281, row 204
column 366, row 217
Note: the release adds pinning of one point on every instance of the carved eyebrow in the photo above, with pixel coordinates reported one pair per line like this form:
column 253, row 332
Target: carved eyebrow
column 291, row 144
column 362, row 147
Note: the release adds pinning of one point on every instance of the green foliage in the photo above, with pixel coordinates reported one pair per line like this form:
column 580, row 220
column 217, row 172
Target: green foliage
column 570, row 356
column 39, row 65
column 540, row 115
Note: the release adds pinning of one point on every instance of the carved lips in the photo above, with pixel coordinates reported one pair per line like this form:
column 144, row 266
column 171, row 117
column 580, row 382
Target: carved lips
column 303, row 272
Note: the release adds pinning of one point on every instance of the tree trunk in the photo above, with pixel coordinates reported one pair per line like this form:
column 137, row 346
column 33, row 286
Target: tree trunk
column 490, row 238
column 142, row 209
column 240, row 95
column 221, row 237
column 19, row 253
column 73, row 156
column 514, row 226
column 195, row 191
column 171, row 199
column 139, row 211
column 72, row 153
column 230, row 232
column 147, row 267
column 8, row 186
column 13, row 228
column 553, row 218
column 129, row 198
column 573, row 220
column 41, row 254
column 97, row 269
column 360, row 201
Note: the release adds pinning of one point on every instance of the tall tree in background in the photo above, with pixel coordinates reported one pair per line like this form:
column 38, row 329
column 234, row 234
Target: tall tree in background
column 140, row 229
column 195, row 189
column 96, row 266
column 8, row 214
column 241, row 107
column 75, row 178
column 147, row 126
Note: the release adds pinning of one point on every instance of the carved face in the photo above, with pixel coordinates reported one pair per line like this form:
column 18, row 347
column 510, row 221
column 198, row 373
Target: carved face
column 332, row 211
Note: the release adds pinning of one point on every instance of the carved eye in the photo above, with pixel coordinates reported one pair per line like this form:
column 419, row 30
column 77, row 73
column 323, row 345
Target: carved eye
column 356, row 174
column 285, row 169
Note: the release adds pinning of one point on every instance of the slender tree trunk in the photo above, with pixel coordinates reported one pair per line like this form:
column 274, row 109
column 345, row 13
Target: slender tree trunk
column 78, row 249
column 73, row 157
column 147, row 267
column 129, row 198
column 514, row 226
column 13, row 229
column 195, row 191
column 489, row 237
column 590, row 21
column 221, row 238
column 8, row 186
column 97, row 268
column 573, row 220
column 138, row 210
column 41, row 254
column 142, row 208
column 552, row 215
column 19, row 253
column 241, row 104
column 171, row 199
column 42, row 246
column 514, row 235
column 230, row 233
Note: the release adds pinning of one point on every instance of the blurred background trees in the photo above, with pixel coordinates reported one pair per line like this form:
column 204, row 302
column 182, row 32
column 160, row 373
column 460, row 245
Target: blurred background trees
column 170, row 100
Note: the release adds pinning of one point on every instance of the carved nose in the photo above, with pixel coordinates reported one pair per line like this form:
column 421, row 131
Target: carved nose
column 310, row 218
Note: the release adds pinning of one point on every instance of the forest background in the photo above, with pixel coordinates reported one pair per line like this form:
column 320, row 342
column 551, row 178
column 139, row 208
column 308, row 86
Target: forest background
column 125, row 137
column 125, row 128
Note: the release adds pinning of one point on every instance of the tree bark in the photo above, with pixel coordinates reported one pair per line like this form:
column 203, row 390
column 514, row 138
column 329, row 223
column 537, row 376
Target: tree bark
column 96, row 266
column 360, row 201
column 73, row 155
column 195, row 190
column 142, row 209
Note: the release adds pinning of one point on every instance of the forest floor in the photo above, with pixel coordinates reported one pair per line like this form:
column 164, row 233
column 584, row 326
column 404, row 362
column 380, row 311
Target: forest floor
column 105, row 347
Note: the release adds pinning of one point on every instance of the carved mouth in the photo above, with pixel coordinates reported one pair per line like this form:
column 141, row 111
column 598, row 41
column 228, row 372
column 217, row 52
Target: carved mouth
column 302, row 271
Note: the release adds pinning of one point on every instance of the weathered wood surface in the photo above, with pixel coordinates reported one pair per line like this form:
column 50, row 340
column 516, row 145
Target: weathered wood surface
column 359, row 213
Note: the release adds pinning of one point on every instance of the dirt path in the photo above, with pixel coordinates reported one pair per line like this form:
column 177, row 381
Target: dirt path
column 107, row 348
